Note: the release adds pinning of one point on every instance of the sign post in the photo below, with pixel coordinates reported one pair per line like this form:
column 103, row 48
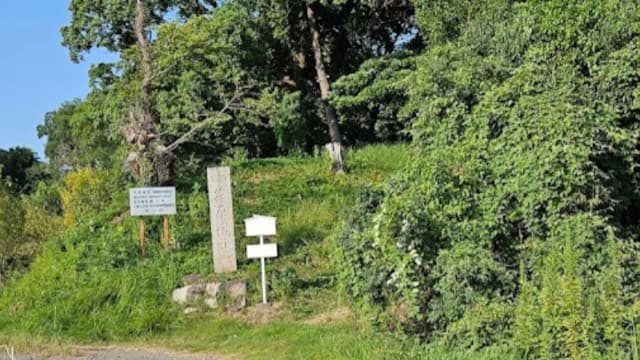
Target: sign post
column 153, row 201
column 143, row 238
column 261, row 226
column 165, row 232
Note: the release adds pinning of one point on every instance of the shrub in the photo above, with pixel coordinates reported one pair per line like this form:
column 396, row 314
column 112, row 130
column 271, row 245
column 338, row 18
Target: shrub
column 42, row 219
column 88, row 191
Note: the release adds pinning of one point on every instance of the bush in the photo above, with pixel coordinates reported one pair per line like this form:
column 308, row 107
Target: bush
column 42, row 219
column 88, row 191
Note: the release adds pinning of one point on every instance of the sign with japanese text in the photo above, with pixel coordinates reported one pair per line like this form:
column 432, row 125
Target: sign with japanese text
column 152, row 201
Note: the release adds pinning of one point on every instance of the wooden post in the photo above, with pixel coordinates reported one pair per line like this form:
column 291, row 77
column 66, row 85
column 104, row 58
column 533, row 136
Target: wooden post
column 143, row 240
column 165, row 233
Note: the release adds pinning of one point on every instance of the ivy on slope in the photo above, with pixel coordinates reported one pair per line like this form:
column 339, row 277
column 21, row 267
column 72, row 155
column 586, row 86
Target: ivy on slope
column 517, row 223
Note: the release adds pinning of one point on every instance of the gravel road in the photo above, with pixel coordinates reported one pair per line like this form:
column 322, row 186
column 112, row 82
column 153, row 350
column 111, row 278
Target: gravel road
column 120, row 354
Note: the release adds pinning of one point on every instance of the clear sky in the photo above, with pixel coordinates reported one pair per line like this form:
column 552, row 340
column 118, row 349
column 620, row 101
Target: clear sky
column 36, row 75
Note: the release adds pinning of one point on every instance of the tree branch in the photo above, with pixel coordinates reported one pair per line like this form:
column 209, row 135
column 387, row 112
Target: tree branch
column 185, row 137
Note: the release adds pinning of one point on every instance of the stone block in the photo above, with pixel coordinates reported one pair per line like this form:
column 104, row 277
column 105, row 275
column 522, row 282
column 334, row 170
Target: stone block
column 188, row 294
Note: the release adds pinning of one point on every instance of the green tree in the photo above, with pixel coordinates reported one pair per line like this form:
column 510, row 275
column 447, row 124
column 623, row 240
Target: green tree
column 110, row 24
column 256, row 87
column 324, row 40
column 83, row 133
column 120, row 25
column 371, row 100
column 18, row 166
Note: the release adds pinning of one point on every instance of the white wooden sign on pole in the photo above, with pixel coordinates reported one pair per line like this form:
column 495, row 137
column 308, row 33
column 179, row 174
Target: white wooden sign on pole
column 261, row 226
column 262, row 251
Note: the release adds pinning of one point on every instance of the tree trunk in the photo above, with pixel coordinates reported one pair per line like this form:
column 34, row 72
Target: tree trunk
column 147, row 67
column 150, row 162
column 335, row 146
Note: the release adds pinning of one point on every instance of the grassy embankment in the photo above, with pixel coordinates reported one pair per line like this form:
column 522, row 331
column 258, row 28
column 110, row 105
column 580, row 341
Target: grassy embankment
column 91, row 287
column 98, row 304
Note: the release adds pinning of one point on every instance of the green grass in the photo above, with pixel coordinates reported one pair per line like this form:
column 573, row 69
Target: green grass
column 307, row 200
column 282, row 340
column 301, row 192
column 91, row 285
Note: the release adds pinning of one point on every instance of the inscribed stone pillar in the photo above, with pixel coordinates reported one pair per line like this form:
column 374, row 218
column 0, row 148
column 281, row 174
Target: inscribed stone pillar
column 222, row 228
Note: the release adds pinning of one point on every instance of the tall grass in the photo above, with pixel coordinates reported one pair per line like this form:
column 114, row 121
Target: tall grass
column 93, row 285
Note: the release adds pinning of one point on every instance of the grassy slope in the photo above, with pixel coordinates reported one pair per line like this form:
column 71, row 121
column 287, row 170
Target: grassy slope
column 308, row 203
column 307, row 200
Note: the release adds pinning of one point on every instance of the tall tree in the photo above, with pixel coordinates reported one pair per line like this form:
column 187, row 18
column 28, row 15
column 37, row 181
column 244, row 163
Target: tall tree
column 119, row 26
column 335, row 146
column 285, row 55
column 140, row 131
column 326, row 39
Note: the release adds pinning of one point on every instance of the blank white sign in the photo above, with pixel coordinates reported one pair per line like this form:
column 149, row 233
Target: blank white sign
column 152, row 201
column 259, row 225
column 262, row 251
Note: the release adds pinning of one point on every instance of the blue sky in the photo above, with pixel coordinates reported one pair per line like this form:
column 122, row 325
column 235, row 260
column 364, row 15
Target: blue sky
column 36, row 75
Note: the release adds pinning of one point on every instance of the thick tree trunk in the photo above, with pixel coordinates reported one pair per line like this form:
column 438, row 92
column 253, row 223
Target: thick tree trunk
column 147, row 67
column 335, row 147
column 150, row 162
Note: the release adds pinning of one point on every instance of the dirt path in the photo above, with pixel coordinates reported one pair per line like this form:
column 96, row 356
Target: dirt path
column 120, row 354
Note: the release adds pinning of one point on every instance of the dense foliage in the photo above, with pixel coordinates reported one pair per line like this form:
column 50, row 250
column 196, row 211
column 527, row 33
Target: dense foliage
column 518, row 220
column 20, row 169
column 28, row 214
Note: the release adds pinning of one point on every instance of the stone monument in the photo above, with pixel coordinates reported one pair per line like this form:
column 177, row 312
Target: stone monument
column 222, row 228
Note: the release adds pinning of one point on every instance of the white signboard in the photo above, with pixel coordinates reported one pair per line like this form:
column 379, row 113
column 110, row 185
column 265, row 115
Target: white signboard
column 152, row 201
column 259, row 225
column 262, row 251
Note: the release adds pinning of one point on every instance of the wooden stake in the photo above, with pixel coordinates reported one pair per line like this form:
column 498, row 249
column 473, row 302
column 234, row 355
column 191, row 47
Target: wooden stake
column 165, row 233
column 143, row 239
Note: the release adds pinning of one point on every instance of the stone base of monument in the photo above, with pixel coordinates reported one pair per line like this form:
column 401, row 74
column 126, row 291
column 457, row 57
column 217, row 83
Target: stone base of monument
column 188, row 294
column 197, row 294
